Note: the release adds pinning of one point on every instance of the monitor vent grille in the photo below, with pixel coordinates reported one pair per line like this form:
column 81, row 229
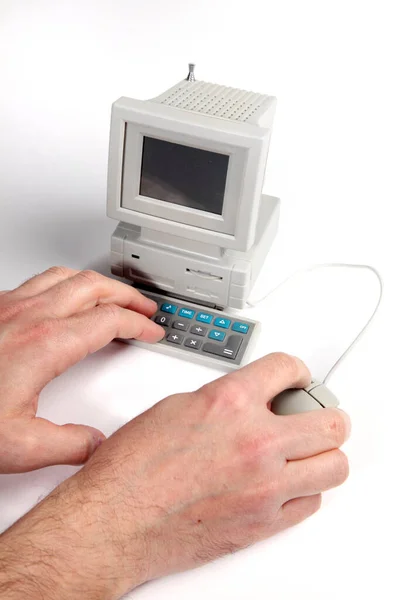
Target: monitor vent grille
column 215, row 100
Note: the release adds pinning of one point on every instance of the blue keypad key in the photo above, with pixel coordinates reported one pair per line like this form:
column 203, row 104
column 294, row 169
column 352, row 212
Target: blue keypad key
column 216, row 335
column 169, row 308
column 187, row 313
column 220, row 322
column 204, row 317
column 240, row 327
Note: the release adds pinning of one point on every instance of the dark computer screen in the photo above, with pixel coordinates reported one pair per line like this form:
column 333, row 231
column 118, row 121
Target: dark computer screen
column 183, row 175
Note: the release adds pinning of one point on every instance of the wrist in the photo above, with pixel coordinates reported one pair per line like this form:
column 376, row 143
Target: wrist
column 69, row 546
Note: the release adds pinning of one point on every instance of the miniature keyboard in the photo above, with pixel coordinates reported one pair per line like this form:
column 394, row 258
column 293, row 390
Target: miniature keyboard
column 214, row 338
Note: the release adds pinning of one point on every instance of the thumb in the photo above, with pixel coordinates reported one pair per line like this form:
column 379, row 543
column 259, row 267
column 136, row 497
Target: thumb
column 36, row 443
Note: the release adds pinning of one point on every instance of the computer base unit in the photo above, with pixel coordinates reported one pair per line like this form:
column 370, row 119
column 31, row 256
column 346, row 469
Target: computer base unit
column 201, row 273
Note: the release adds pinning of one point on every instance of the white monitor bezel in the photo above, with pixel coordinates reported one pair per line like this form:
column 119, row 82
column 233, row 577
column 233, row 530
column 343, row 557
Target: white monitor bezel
column 246, row 145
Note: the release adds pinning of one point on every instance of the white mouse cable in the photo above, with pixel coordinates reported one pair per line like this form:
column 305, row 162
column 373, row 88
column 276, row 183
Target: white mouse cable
column 340, row 266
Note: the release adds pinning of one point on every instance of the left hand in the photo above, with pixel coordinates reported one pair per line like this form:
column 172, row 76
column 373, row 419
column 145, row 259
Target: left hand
column 46, row 325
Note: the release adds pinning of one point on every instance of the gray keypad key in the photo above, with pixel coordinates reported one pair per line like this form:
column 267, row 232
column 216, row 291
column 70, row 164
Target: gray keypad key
column 192, row 343
column 199, row 330
column 175, row 338
column 230, row 349
column 180, row 325
column 162, row 320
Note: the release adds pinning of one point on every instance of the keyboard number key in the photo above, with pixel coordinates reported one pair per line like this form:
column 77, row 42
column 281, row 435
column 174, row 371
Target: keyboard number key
column 162, row 320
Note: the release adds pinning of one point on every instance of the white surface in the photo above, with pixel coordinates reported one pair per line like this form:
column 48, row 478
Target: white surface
column 334, row 162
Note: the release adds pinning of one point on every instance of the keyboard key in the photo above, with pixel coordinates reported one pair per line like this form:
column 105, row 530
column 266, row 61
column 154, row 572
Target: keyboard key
column 240, row 327
column 187, row 313
column 198, row 330
column 181, row 325
column 175, row 338
column 230, row 350
column 162, row 320
column 169, row 308
column 216, row 335
column 204, row 318
column 220, row 322
column 192, row 343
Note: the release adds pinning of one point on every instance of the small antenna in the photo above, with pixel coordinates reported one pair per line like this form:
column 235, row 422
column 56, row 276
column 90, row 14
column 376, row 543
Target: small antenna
column 191, row 76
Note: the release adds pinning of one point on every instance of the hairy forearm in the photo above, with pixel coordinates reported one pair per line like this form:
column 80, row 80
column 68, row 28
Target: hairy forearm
column 61, row 549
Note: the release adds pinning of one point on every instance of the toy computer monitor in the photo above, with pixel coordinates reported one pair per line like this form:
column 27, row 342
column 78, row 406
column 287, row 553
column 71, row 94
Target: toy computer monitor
column 185, row 179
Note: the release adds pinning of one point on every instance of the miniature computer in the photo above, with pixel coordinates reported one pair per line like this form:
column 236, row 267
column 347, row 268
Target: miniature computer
column 185, row 178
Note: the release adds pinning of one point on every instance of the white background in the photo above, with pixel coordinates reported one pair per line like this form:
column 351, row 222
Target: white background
column 334, row 161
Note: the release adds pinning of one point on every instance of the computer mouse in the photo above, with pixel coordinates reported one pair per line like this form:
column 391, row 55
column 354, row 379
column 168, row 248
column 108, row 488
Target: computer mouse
column 313, row 397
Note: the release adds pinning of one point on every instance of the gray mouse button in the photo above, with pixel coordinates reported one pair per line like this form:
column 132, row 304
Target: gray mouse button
column 324, row 396
column 293, row 402
column 314, row 383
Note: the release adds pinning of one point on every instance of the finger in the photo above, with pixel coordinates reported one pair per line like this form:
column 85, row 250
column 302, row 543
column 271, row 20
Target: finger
column 314, row 475
column 311, row 433
column 36, row 443
column 265, row 378
column 42, row 282
column 89, row 331
column 86, row 289
column 60, row 343
column 106, row 322
column 296, row 510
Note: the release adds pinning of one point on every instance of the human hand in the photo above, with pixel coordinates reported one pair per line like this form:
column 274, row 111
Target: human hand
column 197, row 476
column 46, row 325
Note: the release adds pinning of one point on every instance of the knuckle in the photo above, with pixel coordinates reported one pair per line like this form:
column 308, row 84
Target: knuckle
column 58, row 271
column 89, row 276
column 285, row 363
column 226, row 394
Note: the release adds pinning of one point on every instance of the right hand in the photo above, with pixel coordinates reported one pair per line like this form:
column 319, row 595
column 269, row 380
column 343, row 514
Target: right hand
column 197, row 476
